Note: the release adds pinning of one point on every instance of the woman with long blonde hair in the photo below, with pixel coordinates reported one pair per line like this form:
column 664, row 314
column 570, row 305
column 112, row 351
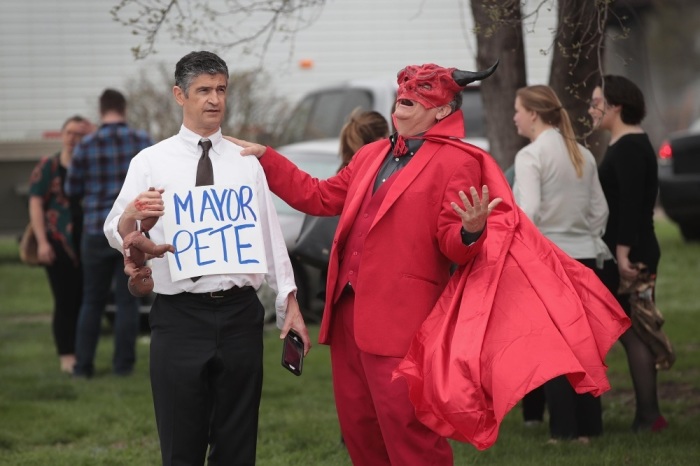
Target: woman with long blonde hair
column 557, row 186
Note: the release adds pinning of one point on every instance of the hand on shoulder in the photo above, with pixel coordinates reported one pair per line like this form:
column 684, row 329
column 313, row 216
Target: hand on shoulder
column 249, row 148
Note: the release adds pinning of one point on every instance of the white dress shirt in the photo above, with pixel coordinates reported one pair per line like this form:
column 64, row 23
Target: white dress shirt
column 172, row 165
column 570, row 211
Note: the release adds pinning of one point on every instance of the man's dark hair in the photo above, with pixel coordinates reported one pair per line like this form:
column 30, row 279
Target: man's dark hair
column 619, row 90
column 74, row 119
column 456, row 102
column 196, row 63
column 112, row 101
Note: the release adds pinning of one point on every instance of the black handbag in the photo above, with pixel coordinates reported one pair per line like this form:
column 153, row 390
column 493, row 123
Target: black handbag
column 313, row 246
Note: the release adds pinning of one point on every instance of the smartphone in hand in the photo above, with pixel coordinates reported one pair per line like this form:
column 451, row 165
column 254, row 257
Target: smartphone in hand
column 293, row 353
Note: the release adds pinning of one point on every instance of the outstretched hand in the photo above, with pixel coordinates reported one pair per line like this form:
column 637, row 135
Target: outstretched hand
column 475, row 212
column 249, row 148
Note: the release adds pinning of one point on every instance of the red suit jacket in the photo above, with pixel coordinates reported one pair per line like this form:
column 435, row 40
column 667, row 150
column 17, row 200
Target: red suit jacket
column 414, row 238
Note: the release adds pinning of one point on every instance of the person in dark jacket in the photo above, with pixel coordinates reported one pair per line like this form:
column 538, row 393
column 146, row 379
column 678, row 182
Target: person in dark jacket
column 629, row 177
column 100, row 163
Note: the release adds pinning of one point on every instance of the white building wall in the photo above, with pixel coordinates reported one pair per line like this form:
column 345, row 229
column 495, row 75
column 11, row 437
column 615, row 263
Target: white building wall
column 56, row 56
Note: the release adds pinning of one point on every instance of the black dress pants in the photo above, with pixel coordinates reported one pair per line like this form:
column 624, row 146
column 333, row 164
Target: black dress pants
column 572, row 415
column 66, row 281
column 533, row 405
column 206, row 377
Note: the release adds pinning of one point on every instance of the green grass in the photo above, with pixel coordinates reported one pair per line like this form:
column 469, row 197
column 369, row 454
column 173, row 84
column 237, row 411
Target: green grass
column 47, row 418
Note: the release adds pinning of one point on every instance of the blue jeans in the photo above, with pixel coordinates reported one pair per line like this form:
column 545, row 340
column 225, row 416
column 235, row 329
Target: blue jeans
column 102, row 266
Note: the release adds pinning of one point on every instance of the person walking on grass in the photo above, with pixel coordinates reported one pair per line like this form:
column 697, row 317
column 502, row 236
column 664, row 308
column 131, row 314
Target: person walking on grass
column 99, row 166
column 57, row 223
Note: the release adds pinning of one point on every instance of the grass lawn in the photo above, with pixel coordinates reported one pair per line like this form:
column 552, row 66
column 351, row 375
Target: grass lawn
column 47, row 418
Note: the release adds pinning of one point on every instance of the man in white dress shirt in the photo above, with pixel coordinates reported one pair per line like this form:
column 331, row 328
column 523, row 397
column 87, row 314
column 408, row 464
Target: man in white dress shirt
column 206, row 332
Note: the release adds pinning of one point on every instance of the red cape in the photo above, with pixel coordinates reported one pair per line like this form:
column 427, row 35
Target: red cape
column 521, row 313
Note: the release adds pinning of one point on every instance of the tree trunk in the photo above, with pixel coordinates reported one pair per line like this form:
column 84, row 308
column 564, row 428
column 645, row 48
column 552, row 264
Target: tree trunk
column 500, row 36
column 576, row 64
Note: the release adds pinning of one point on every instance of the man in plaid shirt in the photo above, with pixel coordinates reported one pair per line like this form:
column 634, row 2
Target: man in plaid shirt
column 96, row 175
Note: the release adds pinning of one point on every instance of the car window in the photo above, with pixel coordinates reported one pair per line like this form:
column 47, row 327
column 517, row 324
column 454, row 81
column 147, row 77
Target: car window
column 323, row 114
column 332, row 110
column 296, row 124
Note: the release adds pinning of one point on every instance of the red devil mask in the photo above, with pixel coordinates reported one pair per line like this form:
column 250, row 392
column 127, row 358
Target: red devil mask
column 433, row 86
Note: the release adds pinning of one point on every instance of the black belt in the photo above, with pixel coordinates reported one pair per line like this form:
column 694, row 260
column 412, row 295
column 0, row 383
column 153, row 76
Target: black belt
column 222, row 293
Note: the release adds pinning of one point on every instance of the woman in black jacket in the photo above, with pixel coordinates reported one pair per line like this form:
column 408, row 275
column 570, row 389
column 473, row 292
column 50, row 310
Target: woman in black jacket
column 629, row 177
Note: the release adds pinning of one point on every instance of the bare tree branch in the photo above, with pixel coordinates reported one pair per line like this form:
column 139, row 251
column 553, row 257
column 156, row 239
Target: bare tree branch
column 216, row 24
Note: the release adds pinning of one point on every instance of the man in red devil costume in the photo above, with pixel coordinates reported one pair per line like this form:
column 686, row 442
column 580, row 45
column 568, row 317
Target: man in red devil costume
column 391, row 316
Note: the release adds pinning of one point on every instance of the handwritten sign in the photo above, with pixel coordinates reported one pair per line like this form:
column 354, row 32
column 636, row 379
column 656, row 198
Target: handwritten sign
column 215, row 230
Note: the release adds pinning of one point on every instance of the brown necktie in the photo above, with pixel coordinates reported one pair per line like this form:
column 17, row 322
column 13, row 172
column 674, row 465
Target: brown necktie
column 205, row 172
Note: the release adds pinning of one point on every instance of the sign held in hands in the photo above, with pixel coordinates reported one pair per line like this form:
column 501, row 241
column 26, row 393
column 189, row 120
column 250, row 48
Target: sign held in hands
column 215, row 230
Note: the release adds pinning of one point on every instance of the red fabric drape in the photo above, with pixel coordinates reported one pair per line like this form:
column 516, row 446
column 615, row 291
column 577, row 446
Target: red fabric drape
column 521, row 313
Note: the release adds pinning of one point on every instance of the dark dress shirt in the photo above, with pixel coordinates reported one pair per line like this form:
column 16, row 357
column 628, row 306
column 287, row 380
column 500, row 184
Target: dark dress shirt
column 392, row 164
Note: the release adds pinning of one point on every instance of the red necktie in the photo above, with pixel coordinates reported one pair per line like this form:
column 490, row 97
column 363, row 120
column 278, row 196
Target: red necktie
column 400, row 146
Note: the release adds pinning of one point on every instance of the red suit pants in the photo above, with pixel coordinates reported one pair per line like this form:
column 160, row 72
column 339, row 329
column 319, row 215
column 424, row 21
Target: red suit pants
column 377, row 419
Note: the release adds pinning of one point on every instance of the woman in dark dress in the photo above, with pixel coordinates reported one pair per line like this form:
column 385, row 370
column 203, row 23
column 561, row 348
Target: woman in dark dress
column 629, row 177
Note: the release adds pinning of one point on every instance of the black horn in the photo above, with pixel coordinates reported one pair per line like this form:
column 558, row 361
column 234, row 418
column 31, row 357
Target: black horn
column 465, row 77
